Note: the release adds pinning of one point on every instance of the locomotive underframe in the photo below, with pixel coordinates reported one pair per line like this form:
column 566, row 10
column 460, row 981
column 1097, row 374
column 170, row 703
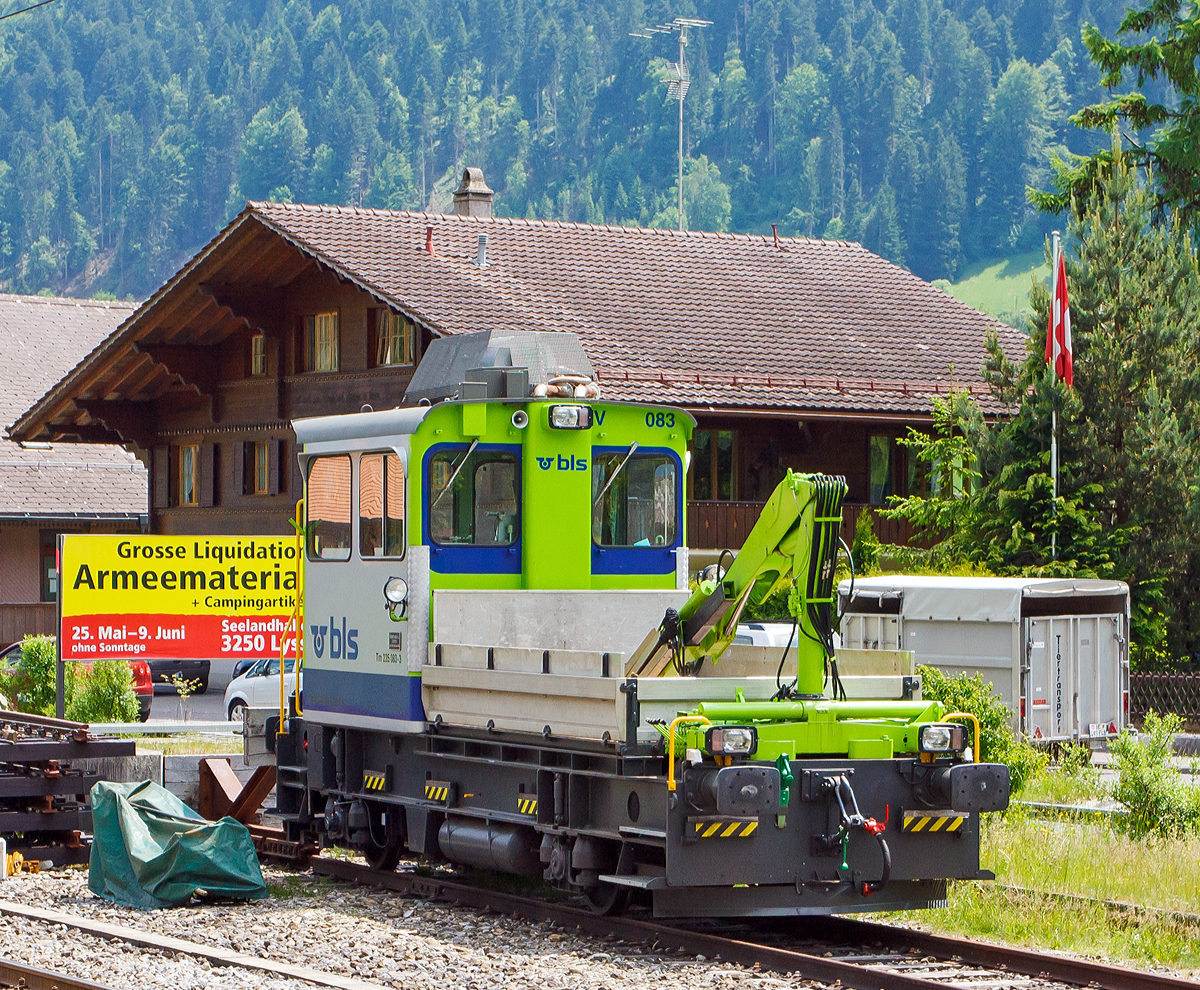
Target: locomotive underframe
column 597, row 816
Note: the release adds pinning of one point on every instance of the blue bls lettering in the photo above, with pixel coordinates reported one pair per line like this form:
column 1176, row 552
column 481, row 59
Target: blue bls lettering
column 343, row 642
column 571, row 463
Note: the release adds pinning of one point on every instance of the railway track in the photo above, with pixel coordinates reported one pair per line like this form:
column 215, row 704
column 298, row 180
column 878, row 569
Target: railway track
column 862, row 955
column 15, row 974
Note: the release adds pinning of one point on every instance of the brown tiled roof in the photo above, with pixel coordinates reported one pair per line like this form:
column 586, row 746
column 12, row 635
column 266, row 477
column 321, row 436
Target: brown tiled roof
column 41, row 339
column 693, row 318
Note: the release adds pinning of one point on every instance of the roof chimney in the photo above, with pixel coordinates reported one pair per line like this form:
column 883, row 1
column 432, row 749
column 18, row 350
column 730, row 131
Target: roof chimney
column 473, row 198
column 481, row 252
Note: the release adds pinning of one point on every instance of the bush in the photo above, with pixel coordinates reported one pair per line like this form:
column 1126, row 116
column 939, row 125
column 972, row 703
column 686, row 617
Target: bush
column 30, row 684
column 1075, row 760
column 1160, row 804
column 865, row 552
column 996, row 743
column 101, row 692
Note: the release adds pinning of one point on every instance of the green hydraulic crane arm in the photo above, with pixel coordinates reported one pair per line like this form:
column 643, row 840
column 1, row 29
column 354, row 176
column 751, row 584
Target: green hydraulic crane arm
column 793, row 546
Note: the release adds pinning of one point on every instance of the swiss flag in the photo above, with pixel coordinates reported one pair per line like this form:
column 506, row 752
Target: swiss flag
column 1058, row 335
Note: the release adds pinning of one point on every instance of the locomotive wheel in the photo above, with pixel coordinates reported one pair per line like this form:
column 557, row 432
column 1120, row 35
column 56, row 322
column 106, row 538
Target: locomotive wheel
column 607, row 898
column 387, row 856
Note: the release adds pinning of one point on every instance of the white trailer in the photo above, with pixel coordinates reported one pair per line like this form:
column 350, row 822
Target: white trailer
column 1056, row 651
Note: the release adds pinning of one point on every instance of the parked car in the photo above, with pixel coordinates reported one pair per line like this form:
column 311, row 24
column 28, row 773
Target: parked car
column 190, row 670
column 243, row 665
column 143, row 684
column 776, row 634
column 258, row 687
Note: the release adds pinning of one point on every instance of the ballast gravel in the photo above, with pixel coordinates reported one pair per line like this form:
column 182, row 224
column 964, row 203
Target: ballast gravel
column 370, row 935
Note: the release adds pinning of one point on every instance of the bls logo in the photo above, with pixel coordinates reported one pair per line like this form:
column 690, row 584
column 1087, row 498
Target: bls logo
column 343, row 643
column 571, row 463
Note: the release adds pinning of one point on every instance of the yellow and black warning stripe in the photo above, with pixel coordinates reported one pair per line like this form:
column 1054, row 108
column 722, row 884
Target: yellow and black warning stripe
column 932, row 821
column 374, row 781
column 740, row 829
column 526, row 805
column 437, row 790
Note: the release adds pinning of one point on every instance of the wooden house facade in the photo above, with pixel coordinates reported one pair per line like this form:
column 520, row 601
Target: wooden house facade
column 808, row 354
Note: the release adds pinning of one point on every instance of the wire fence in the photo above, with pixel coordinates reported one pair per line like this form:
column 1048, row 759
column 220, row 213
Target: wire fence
column 1166, row 694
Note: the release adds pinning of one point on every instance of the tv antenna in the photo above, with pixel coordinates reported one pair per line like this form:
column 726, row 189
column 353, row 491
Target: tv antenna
column 677, row 77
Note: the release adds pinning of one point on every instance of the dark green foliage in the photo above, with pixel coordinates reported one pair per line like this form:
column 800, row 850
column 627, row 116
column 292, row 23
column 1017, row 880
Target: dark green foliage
column 130, row 132
column 1128, row 431
column 1153, row 55
column 971, row 694
column 865, row 551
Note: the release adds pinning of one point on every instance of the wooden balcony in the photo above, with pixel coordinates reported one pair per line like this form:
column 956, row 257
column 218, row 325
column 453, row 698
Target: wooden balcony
column 717, row 525
column 21, row 619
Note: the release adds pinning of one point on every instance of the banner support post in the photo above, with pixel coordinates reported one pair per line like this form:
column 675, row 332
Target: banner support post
column 60, row 667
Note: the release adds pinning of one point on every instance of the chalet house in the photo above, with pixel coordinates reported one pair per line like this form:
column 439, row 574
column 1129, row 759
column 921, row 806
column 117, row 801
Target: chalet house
column 47, row 488
column 790, row 352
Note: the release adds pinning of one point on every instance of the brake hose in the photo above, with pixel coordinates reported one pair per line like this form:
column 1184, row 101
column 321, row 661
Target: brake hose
column 855, row 819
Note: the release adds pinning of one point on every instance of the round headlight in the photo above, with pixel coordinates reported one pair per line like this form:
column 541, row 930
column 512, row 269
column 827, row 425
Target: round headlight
column 395, row 591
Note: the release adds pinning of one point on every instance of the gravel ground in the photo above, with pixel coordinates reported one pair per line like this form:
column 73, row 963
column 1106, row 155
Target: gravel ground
column 120, row 965
column 367, row 934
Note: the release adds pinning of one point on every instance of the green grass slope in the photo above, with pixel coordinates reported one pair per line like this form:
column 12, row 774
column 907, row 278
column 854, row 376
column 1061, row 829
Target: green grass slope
column 1000, row 286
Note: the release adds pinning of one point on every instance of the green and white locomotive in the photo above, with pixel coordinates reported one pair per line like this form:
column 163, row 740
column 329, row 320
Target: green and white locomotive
column 505, row 666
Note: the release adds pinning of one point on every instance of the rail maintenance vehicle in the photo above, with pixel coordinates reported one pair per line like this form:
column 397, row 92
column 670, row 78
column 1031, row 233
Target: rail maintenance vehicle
column 504, row 665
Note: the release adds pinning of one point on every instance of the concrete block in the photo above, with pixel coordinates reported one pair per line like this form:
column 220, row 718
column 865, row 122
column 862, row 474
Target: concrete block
column 181, row 774
column 125, row 769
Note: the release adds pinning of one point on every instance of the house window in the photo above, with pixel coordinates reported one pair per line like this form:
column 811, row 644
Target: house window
column 393, row 339
column 258, row 355
column 881, row 454
column 380, row 506
column 189, row 490
column 714, row 465
column 328, row 501
column 49, row 567
column 261, row 471
column 321, row 342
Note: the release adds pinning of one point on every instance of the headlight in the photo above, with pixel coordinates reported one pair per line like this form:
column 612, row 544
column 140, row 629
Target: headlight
column 395, row 591
column 571, row 417
column 732, row 740
column 942, row 737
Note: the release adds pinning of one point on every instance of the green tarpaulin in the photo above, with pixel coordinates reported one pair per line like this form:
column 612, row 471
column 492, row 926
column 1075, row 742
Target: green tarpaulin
column 150, row 850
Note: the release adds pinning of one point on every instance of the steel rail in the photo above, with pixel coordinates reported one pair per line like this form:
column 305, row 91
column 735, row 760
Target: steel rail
column 15, row 974
column 823, row 969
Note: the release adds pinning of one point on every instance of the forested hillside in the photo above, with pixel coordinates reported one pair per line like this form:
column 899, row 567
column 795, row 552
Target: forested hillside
column 131, row 131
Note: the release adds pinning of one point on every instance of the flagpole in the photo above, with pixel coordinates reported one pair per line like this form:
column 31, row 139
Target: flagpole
column 1053, row 408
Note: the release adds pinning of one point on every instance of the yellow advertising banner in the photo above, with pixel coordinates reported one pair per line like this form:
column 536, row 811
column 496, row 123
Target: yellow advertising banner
column 164, row 597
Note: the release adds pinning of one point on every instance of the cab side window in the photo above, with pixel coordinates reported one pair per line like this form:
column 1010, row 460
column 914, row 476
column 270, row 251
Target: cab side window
column 635, row 501
column 474, row 498
column 328, row 501
column 380, row 506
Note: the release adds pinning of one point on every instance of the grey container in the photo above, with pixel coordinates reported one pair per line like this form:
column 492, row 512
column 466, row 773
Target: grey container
column 1056, row 651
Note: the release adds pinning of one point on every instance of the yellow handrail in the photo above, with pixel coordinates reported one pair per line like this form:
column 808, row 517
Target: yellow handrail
column 975, row 719
column 671, row 745
column 296, row 623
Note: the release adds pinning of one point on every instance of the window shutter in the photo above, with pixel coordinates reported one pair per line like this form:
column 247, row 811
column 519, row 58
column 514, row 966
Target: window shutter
column 373, row 334
column 239, row 467
column 162, row 477
column 274, row 454
column 205, row 472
